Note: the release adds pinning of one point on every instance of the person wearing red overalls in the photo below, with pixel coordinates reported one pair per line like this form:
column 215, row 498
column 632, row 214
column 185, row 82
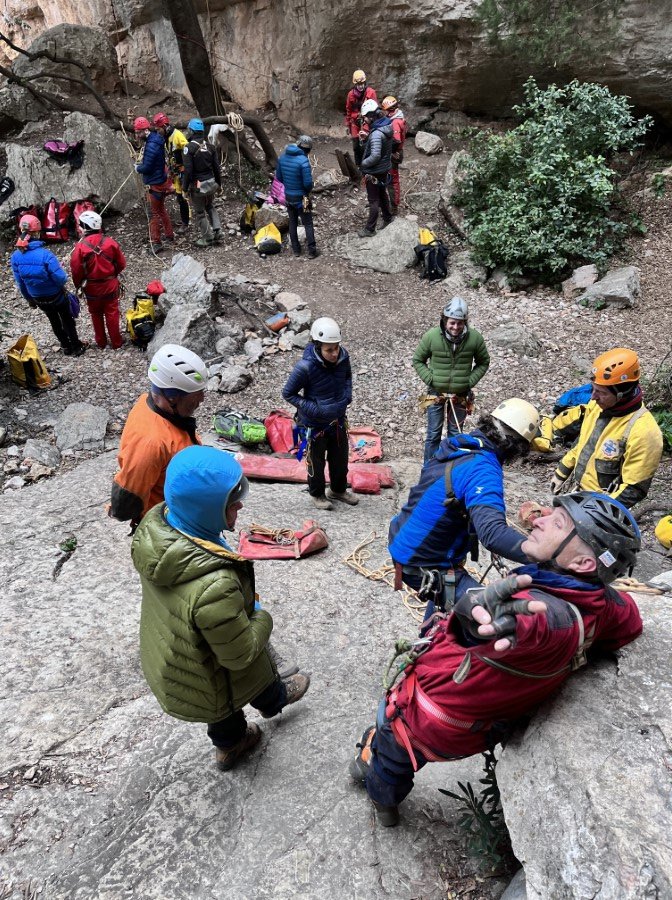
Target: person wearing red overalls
column 354, row 121
column 390, row 107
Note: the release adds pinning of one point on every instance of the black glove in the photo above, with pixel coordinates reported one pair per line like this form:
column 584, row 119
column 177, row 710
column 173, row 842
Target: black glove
column 496, row 600
column 32, row 304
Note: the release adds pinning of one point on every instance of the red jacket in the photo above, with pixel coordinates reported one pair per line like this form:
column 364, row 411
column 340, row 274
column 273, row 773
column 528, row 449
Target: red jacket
column 399, row 129
column 353, row 105
column 95, row 263
column 454, row 704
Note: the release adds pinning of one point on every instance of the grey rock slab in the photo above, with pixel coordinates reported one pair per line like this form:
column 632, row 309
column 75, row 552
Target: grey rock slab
column 253, row 349
column 515, row 337
column 14, row 483
column 190, row 327
column 233, row 379
column 619, row 287
column 579, row 280
column 42, row 452
column 89, row 46
column 130, row 797
column 300, row 340
column 462, row 264
column 428, row 143
column 390, row 250
column 287, row 301
column 299, row 319
column 517, row 889
column 81, row 426
column 425, row 202
column 330, row 179
column 275, row 214
column 599, row 754
column 186, row 283
column 226, row 346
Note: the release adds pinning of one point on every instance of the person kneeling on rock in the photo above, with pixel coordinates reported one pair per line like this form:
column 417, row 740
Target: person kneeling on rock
column 506, row 648
column 320, row 387
column 203, row 634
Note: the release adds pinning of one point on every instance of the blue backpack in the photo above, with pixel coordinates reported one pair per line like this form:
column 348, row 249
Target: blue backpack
column 578, row 396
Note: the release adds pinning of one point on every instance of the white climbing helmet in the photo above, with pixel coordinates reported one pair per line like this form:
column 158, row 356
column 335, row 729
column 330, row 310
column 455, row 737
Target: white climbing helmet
column 519, row 415
column 456, row 308
column 326, row 331
column 91, row 220
column 368, row 107
column 176, row 367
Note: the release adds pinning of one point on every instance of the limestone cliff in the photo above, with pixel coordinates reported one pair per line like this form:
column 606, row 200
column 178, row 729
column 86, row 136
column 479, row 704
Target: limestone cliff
column 300, row 54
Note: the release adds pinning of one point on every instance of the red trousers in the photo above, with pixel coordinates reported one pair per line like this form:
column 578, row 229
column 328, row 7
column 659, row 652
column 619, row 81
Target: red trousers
column 160, row 218
column 396, row 187
column 105, row 312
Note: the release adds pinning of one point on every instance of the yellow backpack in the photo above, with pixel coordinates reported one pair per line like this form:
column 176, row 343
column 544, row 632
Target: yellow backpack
column 426, row 236
column 140, row 320
column 26, row 365
column 664, row 531
column 268, row 240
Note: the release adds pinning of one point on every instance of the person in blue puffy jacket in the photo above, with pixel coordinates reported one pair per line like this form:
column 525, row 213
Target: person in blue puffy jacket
column 320, row 387
column 41, row 280
column 294, row 171
column 154, row 170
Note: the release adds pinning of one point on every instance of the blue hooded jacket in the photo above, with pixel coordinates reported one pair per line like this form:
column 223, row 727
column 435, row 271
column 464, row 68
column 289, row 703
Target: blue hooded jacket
column 199, row 481
column 327, row 388
column 293, row 170
column 153, row 166
column 429, row 534
column 37, row 272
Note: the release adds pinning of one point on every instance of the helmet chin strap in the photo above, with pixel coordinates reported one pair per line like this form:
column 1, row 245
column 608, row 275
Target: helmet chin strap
column 552, row 563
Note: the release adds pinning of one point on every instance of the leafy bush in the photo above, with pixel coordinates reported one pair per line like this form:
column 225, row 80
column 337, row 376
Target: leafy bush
column 542, row 197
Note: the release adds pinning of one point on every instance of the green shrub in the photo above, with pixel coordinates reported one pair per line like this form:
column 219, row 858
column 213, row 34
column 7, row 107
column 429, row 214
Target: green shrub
column 542, row 197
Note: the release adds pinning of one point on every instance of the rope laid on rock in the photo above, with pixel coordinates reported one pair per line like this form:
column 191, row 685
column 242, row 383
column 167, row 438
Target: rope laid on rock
column 282, row 536
column 357, row 559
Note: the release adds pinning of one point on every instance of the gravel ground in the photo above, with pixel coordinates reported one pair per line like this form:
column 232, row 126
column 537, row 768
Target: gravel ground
column 382, row 318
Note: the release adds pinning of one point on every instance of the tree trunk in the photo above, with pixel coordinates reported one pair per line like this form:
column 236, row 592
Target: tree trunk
column 193, row 53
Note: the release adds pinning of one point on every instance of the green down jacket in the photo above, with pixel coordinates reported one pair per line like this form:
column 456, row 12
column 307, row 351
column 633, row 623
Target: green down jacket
column 448, row 371
column 202, row 645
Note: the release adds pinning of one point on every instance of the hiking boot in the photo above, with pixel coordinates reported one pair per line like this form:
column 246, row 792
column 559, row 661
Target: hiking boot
column 313, row 254
column 387, row 816
column 181, row 229
column 226, row 758
column 204, row 242
column 322, row 502
column 296, row 252
column 217, row 236
column 346, row 497
column 296, row 686
column 385, row 224
column 359, row 766
column 364, row 233
column 285, row 669
column 79, row 351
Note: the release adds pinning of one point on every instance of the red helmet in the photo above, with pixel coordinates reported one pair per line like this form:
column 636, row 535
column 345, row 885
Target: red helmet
column 30, row 224
column 155, row 289
column 141, row 123
column 161, row 120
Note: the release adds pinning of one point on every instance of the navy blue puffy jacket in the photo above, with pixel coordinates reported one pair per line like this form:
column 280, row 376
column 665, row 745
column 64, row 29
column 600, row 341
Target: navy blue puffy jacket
column 427, row 533
column 153, row 165
column 293, row 170
column 37, row 272
column 327, row 389
column 377, row 159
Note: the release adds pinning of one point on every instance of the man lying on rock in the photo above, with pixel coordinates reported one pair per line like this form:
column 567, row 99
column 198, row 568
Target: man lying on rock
column 504, row 649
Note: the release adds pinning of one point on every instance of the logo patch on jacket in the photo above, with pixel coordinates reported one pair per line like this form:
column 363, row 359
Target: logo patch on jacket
column 610, row 449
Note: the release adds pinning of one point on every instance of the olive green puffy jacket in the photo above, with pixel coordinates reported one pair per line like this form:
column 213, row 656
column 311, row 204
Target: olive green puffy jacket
column 202, row 645
column 447, row 371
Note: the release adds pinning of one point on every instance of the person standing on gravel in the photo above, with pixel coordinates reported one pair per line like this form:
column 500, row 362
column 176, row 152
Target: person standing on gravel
column 95, row 264
column 391, row 109
column 203, row 634
column 41, row 279
column 320, row 387
column 294, row 172
column 375, row 166
column 451, row 360
column 154, row 173
column 175, row 144
column 356, row 127
column 202, row 180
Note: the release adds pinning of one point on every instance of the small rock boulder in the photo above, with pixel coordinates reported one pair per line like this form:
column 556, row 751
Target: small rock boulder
column 253, row 349
column 286, row 301
column 81, row 426
column 513, row 336
column 619, row 287
column 425, row 202
column 579, row 280
column 301, row 340
column 275, row 214
column 299, row 319
column 185, row 283
column 331, row 178
column 390, row 250
column 233, row 379
column 428, row 143
column 189, row 327
column 42, row 452
column 227, row 346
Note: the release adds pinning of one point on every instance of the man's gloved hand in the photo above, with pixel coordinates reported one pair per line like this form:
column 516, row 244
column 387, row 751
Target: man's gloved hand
column 491, row 612
column 557, row 482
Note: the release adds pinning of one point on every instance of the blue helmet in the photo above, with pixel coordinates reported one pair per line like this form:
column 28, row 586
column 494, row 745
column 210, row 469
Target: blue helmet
column 196, row 125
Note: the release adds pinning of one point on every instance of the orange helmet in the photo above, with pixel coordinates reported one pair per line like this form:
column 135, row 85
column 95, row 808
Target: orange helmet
column 615, row 367
column 358, row 76
column 29, row 224
column 389, row 102
column 141, row 123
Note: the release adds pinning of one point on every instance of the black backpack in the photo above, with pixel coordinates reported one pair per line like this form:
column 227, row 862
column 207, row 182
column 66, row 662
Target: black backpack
column 433, row 258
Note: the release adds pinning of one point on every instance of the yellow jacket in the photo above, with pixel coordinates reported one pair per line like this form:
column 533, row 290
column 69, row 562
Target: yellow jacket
column 176, row 143
column 617, row 455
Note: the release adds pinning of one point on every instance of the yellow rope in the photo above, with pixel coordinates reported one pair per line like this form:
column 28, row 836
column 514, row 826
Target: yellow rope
column 282, row 536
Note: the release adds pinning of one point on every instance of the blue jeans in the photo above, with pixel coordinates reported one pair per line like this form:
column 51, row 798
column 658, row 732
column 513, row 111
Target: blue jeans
column 435, row 418
column 390, row 778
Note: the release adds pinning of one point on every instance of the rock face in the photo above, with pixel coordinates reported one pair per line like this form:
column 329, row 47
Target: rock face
column 390, row 250
column 586, row 787
column 620, row 287
column 185, row 283
column 106, row 164
column 89, row 46
column 81, row 426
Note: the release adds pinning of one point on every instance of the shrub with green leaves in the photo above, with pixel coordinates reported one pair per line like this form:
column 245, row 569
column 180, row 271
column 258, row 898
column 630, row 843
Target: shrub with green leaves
column 542, row 198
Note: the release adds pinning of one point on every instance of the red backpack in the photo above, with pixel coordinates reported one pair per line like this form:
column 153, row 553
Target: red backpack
column 55, row 221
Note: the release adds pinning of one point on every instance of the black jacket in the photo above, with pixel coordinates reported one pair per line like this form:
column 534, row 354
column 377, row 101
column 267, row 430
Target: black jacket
column 200, row 164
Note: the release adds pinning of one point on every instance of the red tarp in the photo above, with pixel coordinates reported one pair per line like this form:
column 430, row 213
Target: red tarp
column 365, row 442
column 273, row 468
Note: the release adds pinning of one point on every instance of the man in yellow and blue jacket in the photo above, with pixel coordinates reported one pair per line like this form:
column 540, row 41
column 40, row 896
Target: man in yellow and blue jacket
column 620, row 444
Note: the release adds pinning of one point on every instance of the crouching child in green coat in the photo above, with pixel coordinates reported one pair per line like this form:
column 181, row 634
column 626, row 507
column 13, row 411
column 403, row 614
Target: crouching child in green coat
column 203, row 634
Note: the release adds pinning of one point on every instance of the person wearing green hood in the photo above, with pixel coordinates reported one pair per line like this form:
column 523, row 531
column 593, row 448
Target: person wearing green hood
column 203, row 633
